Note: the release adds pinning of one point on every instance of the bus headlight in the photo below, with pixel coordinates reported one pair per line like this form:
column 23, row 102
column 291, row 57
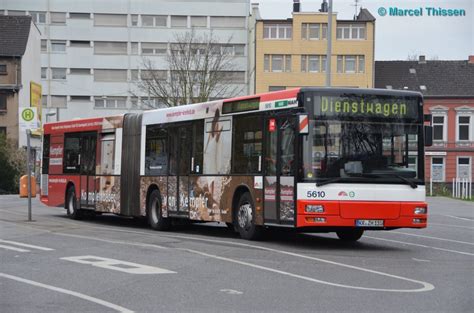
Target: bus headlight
column 420, row 210
column 314, row 208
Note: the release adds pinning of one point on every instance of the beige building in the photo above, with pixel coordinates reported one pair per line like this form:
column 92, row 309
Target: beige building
column 292, row 52
column 19, row 67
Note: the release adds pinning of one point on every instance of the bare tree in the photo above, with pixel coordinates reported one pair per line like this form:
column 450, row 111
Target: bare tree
column 198, row 68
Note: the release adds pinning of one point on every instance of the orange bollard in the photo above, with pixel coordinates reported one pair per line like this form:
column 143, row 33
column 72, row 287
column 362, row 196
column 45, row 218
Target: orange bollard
column 24, row 186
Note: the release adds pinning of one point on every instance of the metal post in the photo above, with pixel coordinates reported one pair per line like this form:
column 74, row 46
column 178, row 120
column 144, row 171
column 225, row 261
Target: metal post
column 28, row 169
column 329, row 47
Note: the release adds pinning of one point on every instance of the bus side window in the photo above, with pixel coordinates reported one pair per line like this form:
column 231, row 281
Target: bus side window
column 198, row 146
column 247, row 145
column 72, row 151
column 107, row 151
column 156, row 151
column 46, row 146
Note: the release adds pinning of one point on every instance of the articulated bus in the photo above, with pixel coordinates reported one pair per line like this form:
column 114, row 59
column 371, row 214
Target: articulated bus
column 312, row 159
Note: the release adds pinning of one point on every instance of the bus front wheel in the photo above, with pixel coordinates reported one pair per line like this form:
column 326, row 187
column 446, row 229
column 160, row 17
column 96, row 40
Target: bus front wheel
column 155, row 219
column 245, row 219
column 71, row 205
column 350, row 235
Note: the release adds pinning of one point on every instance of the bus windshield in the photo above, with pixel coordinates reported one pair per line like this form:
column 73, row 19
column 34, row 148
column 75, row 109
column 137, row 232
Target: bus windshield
column 350, row 141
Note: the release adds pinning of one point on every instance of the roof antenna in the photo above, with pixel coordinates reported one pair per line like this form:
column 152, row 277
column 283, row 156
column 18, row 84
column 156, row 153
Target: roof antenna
column 356, row 5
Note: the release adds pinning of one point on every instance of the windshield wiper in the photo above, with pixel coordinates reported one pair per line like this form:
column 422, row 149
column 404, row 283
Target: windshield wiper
column 404, row 179
column 329, row 181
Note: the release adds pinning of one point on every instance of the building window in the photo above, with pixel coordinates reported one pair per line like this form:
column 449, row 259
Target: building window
column 16, row 13
column 350, row 64
column 313, row 31
column 38, row 17
column 439, row 128
column 134, row 75
column 3, row 102
column 44, row 45
column 58, row 101
column 234, row 77
column 156, row 75
column 58, row 46
column 3, row 69
column 350, row 32
column 179, row 21
column 199, row 21
column 134, row 48
column 44, row 73
column 109, row 75
column 79, row 71
column 110, row 47
column 80, row 16
column 117, row 20
column 134, row 20
column 154, row 20
column 276, row 88
column 464, row 129
column 277, row 31
column 313, row 63
column 58, row 73
column 58, row 17
column 277, row 63
column 80, row 99
column 464, row 168
column 154, row 48
column 111, row 102
column 227, row 22
column 437, row 169
column 80, row 44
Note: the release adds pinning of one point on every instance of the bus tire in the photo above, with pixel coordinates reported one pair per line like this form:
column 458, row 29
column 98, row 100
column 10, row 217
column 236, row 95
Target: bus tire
column 156, row 221
column 350, row 235
column 245, row 219
column 71, row 204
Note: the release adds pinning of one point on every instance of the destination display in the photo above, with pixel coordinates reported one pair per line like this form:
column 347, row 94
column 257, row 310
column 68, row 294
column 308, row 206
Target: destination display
column 241, row 106
column 366, row 106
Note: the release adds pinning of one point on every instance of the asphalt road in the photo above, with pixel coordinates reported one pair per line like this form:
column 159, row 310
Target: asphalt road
column 110, row 263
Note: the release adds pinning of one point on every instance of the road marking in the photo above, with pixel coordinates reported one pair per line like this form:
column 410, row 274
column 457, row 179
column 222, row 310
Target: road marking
column 426, row 286
column 231, row 291
column 117, row 265
column 14, row 249
column 429, row 237
column 68, row 292
column 26, row 246
column 420, row 260
column 459, row 218
column 420, row 245
column 450, row 225
column 132, row 243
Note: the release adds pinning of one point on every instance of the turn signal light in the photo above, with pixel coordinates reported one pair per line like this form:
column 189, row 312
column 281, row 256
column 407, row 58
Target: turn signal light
column 314, row 208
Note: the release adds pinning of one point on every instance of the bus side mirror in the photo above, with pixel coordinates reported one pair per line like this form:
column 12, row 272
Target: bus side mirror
column 428, row 136
column 303, row 124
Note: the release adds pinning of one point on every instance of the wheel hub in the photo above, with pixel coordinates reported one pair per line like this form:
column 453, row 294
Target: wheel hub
column 245, row 216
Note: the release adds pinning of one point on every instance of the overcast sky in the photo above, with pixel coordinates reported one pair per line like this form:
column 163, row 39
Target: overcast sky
column 444, row 38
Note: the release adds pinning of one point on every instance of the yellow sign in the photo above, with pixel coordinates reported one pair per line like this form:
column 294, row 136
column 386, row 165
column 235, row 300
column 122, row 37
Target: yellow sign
column 35, row 102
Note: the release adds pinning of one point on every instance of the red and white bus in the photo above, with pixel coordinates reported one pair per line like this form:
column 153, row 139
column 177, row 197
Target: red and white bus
column 313, row 159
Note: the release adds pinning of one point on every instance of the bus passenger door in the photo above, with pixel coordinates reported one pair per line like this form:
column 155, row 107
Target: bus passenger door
column 87, row 169
column 178, row 181
column 280, row 170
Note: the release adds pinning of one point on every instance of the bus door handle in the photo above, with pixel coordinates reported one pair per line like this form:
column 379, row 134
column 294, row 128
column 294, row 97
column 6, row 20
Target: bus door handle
column 192, row 164
column 259, row 163
column 79, row 160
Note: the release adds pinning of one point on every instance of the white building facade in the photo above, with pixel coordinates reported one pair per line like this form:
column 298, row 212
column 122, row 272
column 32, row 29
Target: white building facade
column 92, row 51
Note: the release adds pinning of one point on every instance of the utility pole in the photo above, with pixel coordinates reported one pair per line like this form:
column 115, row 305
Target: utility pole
column 329, row 47
column 28, row 169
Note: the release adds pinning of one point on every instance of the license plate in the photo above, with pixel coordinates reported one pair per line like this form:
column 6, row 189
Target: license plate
column 369, row 223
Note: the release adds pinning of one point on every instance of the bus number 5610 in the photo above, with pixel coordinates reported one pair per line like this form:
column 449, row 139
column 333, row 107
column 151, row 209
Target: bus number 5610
column 315, row 194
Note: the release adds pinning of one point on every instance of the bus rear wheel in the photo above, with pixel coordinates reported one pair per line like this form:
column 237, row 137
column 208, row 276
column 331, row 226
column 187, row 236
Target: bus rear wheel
column 155, row 219
column 245, row 219
column 350, row 235
column 71, row 205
